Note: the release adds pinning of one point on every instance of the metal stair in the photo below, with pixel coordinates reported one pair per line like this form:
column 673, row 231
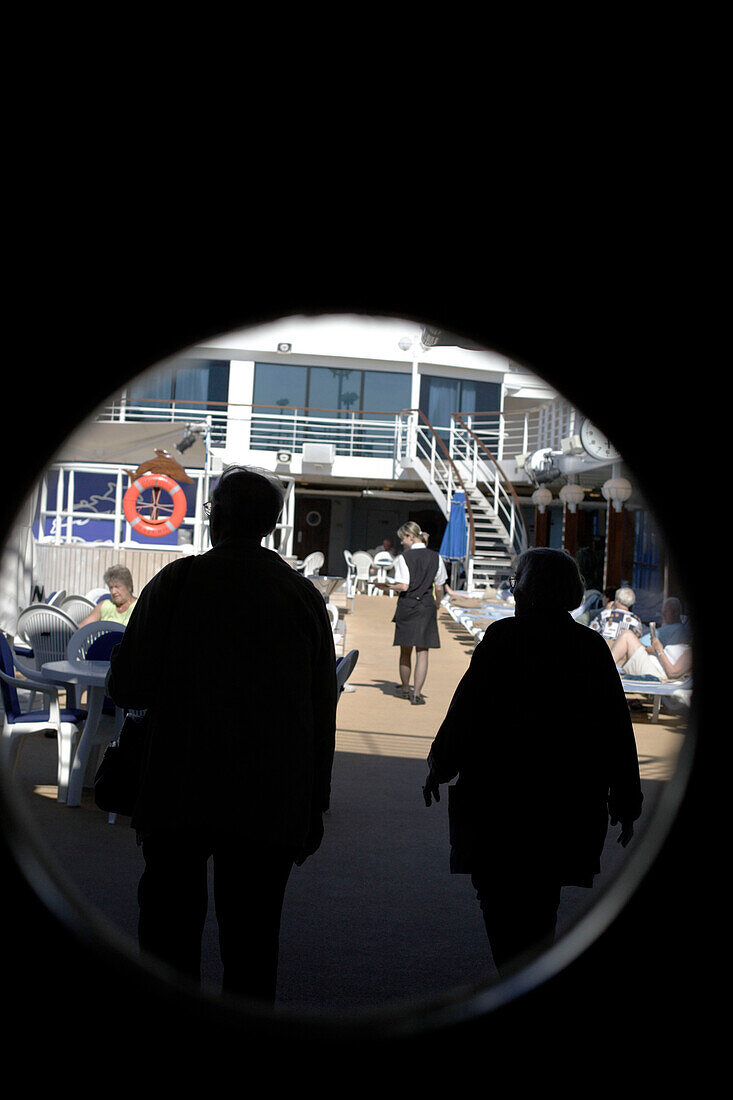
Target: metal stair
column 492, row 558
column 496, row 531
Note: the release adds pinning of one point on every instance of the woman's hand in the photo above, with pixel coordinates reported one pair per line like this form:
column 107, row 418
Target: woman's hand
column 431, row 789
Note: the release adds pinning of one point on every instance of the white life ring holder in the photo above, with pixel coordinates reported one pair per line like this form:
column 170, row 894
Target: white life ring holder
column 154, row 529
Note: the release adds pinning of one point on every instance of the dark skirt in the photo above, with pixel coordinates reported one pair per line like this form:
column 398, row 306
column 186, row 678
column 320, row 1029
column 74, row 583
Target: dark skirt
column 416, row 623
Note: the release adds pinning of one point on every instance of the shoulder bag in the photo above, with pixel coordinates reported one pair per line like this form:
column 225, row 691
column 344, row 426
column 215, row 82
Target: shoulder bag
column 117, row 782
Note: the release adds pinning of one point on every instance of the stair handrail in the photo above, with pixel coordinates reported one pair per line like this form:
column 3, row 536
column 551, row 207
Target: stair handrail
column 469, row 510
column 500, row 475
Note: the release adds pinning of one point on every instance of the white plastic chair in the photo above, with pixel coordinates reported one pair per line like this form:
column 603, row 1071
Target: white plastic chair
column 47, row 630
column 312, row 564
column 17, row 723
column 384, row 563
column 56, row 597
column 97, row 594
column 333, row 614
column 363, row 563
column 350, row 576
column 82, row 638
column 77, row 608
column 338, row 629
column 80, row 645
column 592, row 601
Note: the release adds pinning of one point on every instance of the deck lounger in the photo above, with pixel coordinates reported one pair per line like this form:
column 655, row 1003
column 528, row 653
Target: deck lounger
column 640, row 685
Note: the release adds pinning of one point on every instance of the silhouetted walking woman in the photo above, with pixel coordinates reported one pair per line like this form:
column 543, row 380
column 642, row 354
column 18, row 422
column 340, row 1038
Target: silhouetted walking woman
column 417, row 570
column 540, row 737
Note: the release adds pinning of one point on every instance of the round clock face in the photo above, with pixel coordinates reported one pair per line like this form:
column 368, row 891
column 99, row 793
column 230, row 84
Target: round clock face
column 596, row 443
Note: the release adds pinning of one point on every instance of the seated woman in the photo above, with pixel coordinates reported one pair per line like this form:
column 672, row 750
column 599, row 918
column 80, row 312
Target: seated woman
column 118, row 607
column 670, row 662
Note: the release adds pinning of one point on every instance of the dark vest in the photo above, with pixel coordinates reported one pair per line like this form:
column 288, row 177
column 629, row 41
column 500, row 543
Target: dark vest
column 422, row 566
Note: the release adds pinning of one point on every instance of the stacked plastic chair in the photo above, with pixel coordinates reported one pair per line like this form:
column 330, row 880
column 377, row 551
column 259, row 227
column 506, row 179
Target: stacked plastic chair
column 17, row 723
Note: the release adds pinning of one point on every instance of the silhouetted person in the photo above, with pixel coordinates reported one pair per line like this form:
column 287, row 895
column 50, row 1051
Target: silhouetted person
column 232, row 654
column 539, row 735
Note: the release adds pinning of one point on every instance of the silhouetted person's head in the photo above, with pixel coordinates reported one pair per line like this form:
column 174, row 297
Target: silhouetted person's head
column 245, row 504
column 547, row 580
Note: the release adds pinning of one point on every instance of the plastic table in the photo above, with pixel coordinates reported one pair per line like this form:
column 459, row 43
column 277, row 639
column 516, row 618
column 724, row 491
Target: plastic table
column 91, row 675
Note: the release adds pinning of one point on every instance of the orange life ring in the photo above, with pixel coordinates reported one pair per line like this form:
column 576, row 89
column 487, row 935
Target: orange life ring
column 154, row 528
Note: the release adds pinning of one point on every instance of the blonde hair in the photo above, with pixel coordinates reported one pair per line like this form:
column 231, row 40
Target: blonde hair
column 413, row 529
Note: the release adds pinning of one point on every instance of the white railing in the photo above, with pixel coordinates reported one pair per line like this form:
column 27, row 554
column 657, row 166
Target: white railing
column 509, row 434
column 63, row 517
column 214, row 413
column 420, row 447
column 466, row 464
column 354, row 434
column 481, row 470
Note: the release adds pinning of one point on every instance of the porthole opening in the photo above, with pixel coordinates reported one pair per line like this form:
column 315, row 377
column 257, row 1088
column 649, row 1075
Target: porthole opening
column 377, row 759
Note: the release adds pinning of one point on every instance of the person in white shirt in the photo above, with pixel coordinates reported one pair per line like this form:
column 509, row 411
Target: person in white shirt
column 416, row 571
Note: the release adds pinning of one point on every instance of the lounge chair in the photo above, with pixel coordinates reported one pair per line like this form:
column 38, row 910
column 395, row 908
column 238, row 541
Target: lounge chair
column 677, row 692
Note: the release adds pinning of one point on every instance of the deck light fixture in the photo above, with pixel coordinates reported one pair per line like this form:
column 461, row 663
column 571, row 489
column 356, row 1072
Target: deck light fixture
column 542, row 497
column 616, row 490
column 572, row 494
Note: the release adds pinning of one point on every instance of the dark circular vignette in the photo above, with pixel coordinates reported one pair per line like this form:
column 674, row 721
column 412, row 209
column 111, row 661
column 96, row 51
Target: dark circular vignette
column 630, row 958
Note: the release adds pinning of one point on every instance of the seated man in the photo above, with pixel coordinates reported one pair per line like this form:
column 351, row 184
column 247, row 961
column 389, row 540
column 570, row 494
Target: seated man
column 618, row 617
column 385, row 548
column 663, row 663
column 672, row 631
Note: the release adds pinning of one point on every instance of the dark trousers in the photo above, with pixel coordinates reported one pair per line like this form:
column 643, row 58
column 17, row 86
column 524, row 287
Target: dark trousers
column 520, row 914
column 249, row 888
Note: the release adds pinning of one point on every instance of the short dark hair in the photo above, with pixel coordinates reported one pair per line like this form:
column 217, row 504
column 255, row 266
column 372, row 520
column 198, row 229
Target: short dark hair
column 246, row 502
column 547, row 580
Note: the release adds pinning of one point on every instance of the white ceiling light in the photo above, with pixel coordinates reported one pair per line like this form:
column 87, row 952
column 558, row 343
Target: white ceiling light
column 617, row 490
column 572, row 494
column 542, row 497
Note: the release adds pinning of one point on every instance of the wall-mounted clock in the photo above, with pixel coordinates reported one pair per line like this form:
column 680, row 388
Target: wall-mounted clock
column 596, row 444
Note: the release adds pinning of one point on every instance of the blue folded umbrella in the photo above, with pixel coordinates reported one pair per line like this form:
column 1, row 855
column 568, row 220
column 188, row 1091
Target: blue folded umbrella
column 454, row 537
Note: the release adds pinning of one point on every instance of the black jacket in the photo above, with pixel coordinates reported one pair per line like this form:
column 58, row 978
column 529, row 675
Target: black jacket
column 540, row 737
column 232, row 653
